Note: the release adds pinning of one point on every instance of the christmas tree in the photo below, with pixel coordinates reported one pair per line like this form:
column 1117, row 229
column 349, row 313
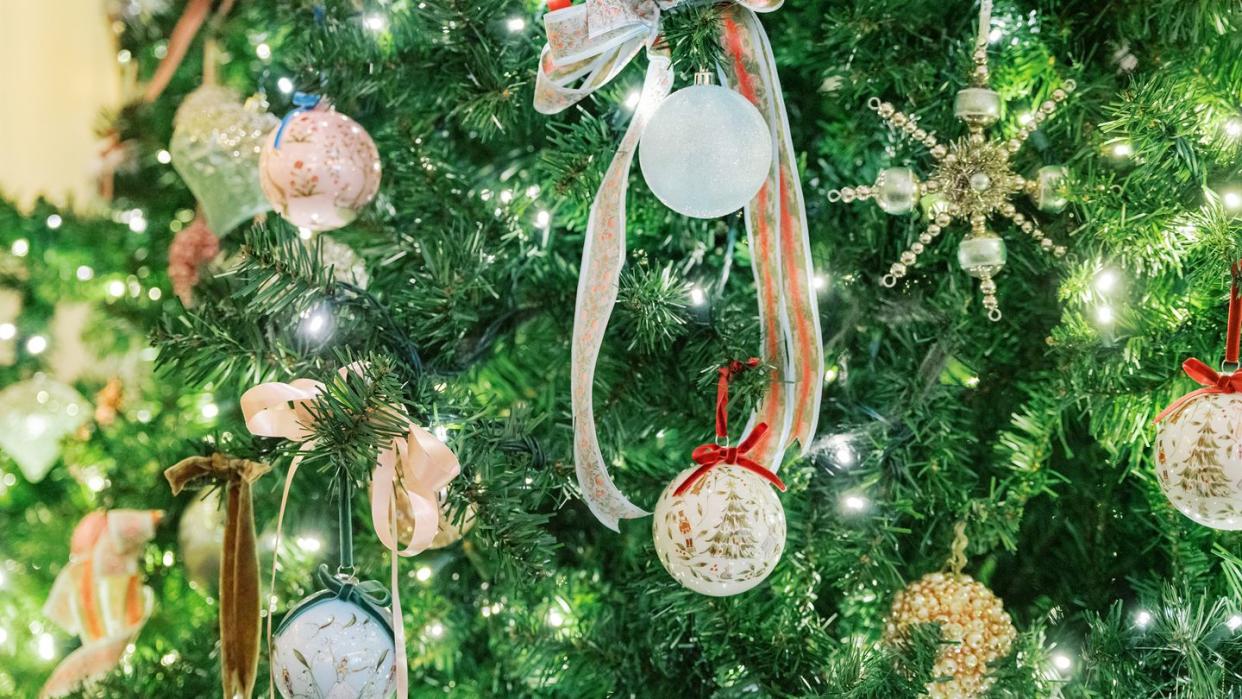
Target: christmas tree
column 452, row 295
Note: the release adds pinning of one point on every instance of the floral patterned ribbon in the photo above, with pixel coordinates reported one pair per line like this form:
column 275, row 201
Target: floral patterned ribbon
column 588, row 45
column 417, row 463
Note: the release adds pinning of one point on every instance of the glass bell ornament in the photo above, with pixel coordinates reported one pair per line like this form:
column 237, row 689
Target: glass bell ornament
column 215, row 148
column 1050, row 185
column 897, row 190
column 1198, row 460
column 35, row 415
column 981, row 256
column 706, row 151
column 319, row 168
column 336, row 643
column 724, row 535
column 977, row 106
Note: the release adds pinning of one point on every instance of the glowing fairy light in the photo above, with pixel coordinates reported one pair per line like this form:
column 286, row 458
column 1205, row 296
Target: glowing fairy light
column 631, row 100
column 36, row 344
column 697, row 297
column 1122, row 149
column 54, row 221
column 210, row 410
column 285, row 85
column 1234, row 622
column 46, row 646
column 309, row 543
column 854, row 503
column 1106, row 281
column 263, row 51
column 543, row 219
column 423, row 574
column 1142, row 619
column 1104, row 315
column 375, row 22
column 1062, row 662
column 515, row 24
column 163, row 157
column 7, row 331
column 20, row 247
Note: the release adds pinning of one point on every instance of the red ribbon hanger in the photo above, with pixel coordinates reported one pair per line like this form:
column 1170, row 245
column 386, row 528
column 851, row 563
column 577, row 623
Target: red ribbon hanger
column 713, row 454
column 1228, row 380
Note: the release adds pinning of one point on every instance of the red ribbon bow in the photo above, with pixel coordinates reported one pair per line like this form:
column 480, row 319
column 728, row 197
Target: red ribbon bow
column 1211, row 380
column 711, row 455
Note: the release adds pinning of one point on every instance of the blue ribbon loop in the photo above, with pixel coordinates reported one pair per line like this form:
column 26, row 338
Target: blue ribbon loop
column 302, row 102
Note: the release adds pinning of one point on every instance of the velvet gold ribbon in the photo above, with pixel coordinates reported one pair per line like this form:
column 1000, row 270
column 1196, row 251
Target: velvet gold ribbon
column 239, row 565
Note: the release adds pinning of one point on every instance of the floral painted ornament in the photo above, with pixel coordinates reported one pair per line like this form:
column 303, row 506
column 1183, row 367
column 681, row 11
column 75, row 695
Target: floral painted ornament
column 1199, row 436
column 319, row 168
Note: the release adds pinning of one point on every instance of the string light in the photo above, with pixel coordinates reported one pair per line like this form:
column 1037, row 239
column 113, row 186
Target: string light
column 631, row 100
column 85, row 273
column 842, row 451
column 163, row 157
column 285, row 85
column 555, row 618
column 47, row 646
column 154, row 293
column 54, row 221
column 116, row 288
column 96, row 482
column 820, row 282
column 7, row 331
column 1234, row 622
column 697, row 297
column 375, row 22
column 20, row 247
column 210, row 410
column 516, row 24
column 309, row 543
column 1233, row 127
column 1122, row 149
column 543, row 219
column 423, row 574
column 263, row 51
column 1142, row 619
column 435, row 630
column 1062, row 662
column 1104, row 315
column 855, row 503
column 36, row 344
column 1232, row 199
column 1105, row 281
column 506, row 196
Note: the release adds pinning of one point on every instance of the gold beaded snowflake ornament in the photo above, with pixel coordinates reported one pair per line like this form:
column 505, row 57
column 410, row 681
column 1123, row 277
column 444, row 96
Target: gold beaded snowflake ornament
column 972, row 179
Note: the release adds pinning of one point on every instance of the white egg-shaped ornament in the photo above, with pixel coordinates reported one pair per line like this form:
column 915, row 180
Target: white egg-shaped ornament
column 336, row 645
column 1199, row 458
column 319, row 168
column 706, row 151
column 722, row 536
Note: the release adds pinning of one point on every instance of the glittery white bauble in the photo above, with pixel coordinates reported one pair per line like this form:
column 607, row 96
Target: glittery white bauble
column 1199, row 459
column 215, row 148
column 333, row 648
column 706, row 151
column 722, row 536
column 324, row 171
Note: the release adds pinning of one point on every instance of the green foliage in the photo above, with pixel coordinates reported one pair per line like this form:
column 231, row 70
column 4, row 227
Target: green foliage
column 1035, row 431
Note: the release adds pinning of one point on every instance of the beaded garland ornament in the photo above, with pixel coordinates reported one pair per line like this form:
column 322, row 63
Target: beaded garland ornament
column 972, row 179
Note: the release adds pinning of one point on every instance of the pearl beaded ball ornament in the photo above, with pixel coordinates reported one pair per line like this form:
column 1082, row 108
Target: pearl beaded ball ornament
column 706, row 152
column 972, row 621
column 323, row 172
column 724, row 535
column 1198, row 462
column 333, row 647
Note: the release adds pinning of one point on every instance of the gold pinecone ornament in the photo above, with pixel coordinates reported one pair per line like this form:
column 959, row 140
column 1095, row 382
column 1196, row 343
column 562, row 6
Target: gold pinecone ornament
column 973, row 623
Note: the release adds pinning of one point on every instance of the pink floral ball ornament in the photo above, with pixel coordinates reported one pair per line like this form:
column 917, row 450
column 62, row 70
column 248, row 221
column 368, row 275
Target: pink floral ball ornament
column 319, row 167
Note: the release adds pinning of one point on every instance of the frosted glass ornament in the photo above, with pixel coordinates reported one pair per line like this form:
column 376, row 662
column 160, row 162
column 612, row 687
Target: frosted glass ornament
column 215, row 148
column 324, row 172
column 334, row 648
column 35, row 415
column 1050, row 189
column 977, row 106
column 724, row 535
column 896, row 190
column 981, row 256
column 706, row 152
column 1199, row 459
column 200, row 538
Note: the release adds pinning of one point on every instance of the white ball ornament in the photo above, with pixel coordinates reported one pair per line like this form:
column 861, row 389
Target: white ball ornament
column 1199, row 459
column 724, row 535
column 706, row 152
column 330, row 646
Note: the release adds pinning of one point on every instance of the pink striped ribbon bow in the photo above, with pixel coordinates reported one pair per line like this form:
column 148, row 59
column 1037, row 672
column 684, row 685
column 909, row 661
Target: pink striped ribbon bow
column 588, row 45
